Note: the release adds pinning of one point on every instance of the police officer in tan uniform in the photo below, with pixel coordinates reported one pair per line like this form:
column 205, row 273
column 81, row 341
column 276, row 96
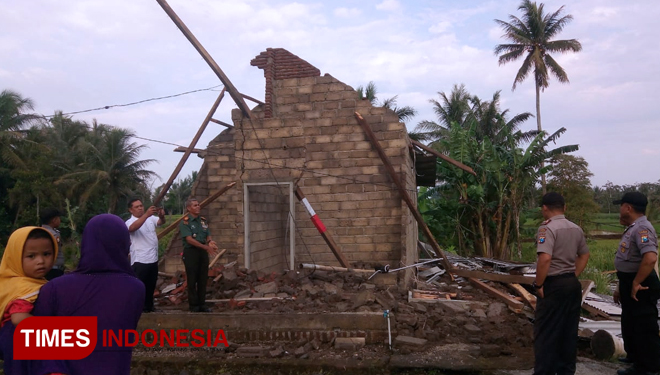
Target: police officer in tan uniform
column 639, row 287
column 562, row 255
column 197, row 246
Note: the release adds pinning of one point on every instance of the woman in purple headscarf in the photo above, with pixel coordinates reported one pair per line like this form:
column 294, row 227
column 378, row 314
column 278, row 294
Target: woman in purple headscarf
column 104, row 286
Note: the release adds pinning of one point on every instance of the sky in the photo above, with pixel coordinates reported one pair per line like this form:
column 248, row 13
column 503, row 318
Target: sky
column 77, row 55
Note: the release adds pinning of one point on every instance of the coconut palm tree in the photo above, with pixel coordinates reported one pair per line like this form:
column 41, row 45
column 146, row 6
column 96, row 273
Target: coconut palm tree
column 452, row 108
column 111, row 167
column 461, row 108
column 14, row 117
column 531, row 37
column 370, row 93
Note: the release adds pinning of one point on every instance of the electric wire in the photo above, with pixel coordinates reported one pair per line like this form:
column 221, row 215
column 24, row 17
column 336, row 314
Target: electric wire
column 133, row 103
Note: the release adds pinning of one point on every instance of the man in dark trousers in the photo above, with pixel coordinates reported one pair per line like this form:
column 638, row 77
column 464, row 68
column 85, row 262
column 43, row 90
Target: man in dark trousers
column 197, row 246
column 144, row 246
column 562, row 255
column 639, row 287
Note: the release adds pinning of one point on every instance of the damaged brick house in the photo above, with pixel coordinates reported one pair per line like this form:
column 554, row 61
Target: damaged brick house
column 305, row 135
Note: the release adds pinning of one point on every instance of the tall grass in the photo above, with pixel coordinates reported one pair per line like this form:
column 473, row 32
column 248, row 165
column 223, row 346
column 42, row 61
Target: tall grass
column 601, row 259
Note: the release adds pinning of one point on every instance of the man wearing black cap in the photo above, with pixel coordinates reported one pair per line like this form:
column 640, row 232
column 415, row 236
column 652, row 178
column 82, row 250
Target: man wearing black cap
column 562, row 255
column 639, row 287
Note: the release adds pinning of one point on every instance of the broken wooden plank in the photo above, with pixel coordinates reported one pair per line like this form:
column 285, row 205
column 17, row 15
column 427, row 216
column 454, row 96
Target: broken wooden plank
column 184, row 149
column 527, row 296
column 587, row 285
column 507, row 279
column 402, row 189
column 322, row 229
column 185, row 156
column 444, row 157
column 249, row 299
column 217, row 256
column 203, row 204
column 517, row 306
column 331, row 268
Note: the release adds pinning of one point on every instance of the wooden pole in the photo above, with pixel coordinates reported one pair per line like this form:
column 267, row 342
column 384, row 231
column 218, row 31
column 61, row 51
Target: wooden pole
column 203, row 204
column 331, row 268
column 404, row 195
column 222, row 123
column 322, row 229
column 237, row 96
column 252, row 99
column 186, row 154
column 518, row 279
column 221, row 253
column 444, row 157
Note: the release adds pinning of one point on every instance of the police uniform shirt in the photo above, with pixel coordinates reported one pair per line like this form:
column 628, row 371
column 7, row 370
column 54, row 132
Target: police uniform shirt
column 638, row 239
column 195, row 227
column 563, row 240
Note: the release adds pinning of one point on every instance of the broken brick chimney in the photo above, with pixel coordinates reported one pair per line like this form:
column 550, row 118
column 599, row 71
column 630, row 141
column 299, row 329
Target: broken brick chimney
column 279, row 64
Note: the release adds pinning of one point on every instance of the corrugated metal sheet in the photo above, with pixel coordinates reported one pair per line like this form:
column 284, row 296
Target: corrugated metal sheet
column 606, row 306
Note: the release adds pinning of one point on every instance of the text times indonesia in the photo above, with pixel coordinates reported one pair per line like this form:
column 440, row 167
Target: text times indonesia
column 73, row 338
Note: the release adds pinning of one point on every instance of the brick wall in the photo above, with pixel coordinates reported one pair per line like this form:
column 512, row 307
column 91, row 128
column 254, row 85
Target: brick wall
column 313, row 140
column 269, row 240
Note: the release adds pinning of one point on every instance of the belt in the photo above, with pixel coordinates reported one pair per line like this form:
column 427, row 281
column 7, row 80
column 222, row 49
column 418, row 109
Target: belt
column 561, row 276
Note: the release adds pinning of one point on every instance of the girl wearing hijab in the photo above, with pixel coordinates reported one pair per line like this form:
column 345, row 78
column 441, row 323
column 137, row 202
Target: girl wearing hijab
column 29, row 255
column 104, row 286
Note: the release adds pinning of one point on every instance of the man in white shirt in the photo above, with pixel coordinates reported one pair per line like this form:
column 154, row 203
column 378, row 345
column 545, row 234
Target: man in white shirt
column 144, row 246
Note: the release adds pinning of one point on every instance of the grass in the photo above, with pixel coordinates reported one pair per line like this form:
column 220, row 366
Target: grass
column 163, row 242
column 601, row 259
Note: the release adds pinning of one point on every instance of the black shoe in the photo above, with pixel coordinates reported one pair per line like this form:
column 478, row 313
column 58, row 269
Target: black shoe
column 625, row 360
column 194, row 309
column 205, row 309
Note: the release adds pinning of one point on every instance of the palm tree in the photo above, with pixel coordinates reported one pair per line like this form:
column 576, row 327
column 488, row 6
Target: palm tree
column 462, row 109
column 370, row 93
column 111, row 167
column 532, row 36
column 13, row 119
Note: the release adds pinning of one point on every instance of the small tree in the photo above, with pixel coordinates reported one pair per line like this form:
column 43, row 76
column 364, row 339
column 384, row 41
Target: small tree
column 570, row 177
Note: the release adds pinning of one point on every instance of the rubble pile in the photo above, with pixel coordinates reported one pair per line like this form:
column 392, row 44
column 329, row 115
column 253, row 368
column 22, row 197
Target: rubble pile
column 441, row 311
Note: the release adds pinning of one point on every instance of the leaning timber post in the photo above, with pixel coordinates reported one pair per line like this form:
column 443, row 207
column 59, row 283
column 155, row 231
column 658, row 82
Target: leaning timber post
column 404, row 195
column 186, row 154
column 322, row 229
column 444, row 157
column 203, row 204
column 237, row 96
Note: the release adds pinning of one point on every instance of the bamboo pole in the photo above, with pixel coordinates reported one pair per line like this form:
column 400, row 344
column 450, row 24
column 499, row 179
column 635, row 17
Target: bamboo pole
column 404, row 195
column 203, row 204
column 186, row 154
